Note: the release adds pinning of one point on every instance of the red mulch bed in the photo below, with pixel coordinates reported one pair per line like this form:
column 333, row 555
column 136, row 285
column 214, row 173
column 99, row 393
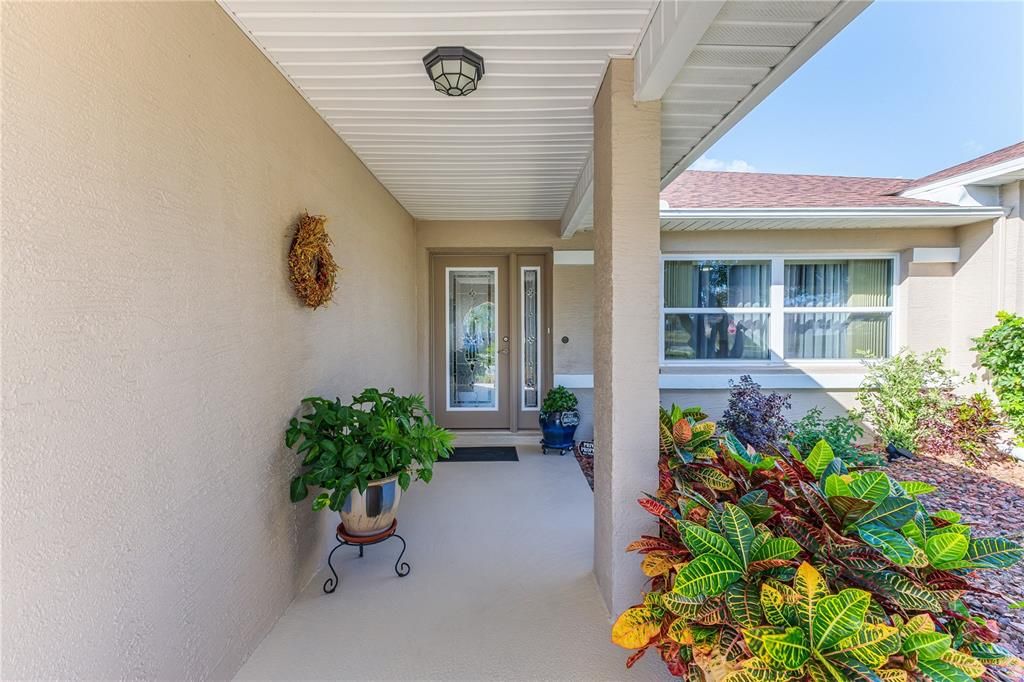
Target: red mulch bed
column 586, row 465
column 991, row 499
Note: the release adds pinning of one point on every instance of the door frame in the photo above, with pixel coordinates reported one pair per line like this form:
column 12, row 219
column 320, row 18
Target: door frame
column 512, row 392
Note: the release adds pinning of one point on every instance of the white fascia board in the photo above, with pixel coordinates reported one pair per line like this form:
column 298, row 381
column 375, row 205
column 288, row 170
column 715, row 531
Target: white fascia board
column 826, row 29
column 894, row 212
column 573, row 257
column 675, row 29
column 970, row 178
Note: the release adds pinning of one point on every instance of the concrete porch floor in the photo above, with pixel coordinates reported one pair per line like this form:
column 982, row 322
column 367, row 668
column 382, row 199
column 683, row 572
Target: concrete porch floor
column 501, row 588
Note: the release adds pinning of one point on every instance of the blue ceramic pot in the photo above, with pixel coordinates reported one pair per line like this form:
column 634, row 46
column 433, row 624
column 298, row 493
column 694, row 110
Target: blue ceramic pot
column 559, row 429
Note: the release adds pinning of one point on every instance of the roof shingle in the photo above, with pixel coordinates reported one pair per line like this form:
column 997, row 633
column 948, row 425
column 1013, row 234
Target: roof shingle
column 708, row 189
column 1014, row 151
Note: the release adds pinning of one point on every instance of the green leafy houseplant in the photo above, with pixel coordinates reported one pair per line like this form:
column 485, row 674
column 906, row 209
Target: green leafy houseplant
column 1001, row 351
column 559, row 399
column 902, row 394
column 376, row 436
column 774, row 566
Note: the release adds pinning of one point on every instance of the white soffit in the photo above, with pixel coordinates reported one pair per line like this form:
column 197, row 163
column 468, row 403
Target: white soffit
column 748, row 49
column 511, row 150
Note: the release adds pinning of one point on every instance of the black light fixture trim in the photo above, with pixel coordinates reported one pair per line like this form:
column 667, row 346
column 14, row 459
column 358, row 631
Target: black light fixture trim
column 455, row 71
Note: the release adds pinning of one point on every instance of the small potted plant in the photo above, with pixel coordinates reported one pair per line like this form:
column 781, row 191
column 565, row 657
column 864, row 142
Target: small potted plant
column 364, row 454
column 558, row 420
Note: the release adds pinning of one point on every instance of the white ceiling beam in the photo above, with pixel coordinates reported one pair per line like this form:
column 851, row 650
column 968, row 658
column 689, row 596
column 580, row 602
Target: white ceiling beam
column 580, row 199
column 675, row 29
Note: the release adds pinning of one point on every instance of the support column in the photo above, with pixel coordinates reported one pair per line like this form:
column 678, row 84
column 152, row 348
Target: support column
column 627, row 144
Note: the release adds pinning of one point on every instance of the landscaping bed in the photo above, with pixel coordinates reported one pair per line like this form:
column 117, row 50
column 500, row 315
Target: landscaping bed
column 992, row 501
column 586, row 466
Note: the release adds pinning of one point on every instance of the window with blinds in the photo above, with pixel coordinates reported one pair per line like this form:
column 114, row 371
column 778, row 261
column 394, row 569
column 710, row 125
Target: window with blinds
column 748, row 308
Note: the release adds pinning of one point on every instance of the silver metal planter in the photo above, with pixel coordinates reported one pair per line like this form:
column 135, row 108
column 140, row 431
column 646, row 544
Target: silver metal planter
column 374, row 511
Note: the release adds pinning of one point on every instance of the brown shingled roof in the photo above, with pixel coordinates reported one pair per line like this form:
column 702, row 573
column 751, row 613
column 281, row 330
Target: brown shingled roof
column 1014, row 151
column 707, row 189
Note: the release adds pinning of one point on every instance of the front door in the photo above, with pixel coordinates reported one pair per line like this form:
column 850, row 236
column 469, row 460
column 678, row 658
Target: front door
column 471, row 342
column 490, row 339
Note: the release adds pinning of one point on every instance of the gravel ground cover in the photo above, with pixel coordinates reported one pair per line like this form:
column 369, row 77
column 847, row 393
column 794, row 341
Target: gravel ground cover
column 992, row 500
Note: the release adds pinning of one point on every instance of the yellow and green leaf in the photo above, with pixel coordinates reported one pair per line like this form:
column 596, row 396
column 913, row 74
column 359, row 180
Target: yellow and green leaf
column 682, row 606
column 819, row 458
column 738, row 530
column 969, row 664
column 890, row 543
column 635, row 627
column 776, row 548
column 679, row 632
column 708, row 575
column 702, row 541
column 837, row 617
column 927, row 646
column 787, row 649
column 743, row 602
column 871, row 485
column 810, row 587
column 944, row 548
column 776, row 611
column 871, row 645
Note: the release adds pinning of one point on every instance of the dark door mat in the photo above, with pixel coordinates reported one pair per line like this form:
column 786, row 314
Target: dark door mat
column 484, row 454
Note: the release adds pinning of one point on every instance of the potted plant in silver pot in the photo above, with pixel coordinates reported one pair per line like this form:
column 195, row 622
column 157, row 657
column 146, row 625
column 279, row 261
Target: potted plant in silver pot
column 364, row 454
column 558, row 420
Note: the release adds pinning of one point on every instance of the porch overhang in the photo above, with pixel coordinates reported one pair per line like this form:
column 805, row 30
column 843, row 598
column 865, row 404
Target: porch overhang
column 726, row 57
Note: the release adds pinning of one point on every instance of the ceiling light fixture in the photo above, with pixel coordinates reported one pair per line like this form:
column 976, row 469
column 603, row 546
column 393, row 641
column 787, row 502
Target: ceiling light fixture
column 455, row 71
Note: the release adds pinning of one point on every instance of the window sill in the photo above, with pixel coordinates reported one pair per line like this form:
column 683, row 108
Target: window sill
column 821, row 378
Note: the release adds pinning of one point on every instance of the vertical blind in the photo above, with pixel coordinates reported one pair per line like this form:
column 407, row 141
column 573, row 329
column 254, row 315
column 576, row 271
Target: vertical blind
column 861, row 283
column 717, row 284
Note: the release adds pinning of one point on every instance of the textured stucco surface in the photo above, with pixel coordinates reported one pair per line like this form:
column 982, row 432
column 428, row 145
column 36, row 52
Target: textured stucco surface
column 627, row 141
column 153, row 163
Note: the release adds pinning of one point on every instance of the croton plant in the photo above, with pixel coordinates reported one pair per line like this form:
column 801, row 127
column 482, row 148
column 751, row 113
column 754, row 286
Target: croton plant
column 773, row 567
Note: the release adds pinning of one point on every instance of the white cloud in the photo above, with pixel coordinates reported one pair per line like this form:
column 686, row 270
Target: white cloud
column 733, row 166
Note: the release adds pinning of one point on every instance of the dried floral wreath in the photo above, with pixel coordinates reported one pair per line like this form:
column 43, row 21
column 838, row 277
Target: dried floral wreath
column 311, row 265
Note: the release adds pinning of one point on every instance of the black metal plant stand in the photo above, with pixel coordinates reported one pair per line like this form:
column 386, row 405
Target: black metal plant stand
column 402, row 568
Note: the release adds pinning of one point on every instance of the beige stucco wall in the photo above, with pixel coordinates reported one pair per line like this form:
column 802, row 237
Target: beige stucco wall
column 940, row 304
column 153, row 162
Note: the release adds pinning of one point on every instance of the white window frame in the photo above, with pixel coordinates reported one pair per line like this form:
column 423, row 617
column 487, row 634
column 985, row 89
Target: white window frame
column 776, row 309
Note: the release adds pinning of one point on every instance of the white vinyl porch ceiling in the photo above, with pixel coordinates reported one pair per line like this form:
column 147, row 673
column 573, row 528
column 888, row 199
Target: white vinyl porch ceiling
column 516, row 147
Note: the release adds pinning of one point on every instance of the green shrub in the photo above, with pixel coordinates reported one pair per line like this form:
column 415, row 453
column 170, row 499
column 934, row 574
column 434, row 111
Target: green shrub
column 1001, row 351
column 772, row 567
column 901, row 395
column 559, row 399
column 841, row 433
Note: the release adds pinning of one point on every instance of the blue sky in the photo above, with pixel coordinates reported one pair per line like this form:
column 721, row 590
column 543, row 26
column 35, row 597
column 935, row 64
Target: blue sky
column 906, row 89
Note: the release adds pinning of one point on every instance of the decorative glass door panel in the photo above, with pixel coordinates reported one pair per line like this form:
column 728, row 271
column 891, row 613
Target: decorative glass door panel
column 473, row 343
column 532, row 336
column 531, row 350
